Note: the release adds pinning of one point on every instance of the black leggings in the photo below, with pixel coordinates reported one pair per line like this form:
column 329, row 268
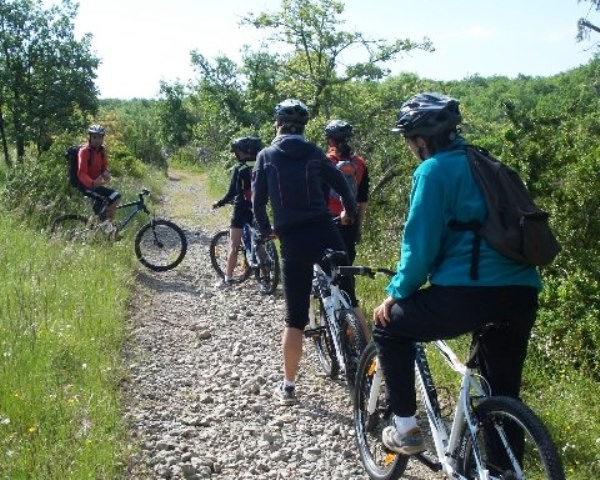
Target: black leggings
column 301, row 248
column 349, row 235
column 439, row 313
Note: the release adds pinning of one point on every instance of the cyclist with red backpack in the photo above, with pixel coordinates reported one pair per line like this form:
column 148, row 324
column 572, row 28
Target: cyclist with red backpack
column 245, row 150
column 93, row 176
column 354, row 169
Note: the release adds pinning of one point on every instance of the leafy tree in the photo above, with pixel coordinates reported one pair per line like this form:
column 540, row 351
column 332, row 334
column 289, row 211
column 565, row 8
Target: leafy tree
column 46, row 74
column 584, row 25
column 175, row 122
column 137, row 125
column 312, row 28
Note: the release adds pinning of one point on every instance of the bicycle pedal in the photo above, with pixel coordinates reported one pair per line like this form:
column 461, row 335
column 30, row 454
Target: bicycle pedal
column 431, row 464
column 313, row 332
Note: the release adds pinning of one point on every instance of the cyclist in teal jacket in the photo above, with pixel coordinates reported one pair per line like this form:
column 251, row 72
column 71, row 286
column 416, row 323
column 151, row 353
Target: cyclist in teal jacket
column 435, row 255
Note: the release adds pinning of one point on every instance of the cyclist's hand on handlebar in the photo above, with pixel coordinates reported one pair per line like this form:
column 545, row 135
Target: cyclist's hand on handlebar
column 382, row 313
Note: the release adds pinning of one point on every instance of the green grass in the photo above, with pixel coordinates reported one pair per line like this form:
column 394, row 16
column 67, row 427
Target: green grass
column 62, row 318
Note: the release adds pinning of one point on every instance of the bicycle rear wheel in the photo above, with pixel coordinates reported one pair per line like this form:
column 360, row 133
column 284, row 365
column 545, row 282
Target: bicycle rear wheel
column 321, row 335
column 70, row 227
column 271, row 267
column 160, row 245
column 378, row 462
column 219, row 252
column 354, row 343
column 512, row 442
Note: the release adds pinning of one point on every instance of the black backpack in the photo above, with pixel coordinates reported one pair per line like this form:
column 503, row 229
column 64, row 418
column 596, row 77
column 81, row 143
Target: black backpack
column 72, row 156
column 515, row 226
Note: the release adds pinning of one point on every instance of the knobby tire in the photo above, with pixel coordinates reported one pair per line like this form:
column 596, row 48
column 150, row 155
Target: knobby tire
column 160, row 245
column 68, row 225
column 323, row 342
column 273, row 267
column 528, row 439
column 378, row 462
column 354, row 343
column 219, row 251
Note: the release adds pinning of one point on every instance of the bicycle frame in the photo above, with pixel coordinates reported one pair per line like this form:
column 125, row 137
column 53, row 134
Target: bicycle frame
column 135, row 206
column 446, row 442
column 255, row 252
column 334, row 301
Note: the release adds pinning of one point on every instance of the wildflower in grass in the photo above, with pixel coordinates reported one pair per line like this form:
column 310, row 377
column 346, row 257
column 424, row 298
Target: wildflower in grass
column 32, row 429
column 5, row 421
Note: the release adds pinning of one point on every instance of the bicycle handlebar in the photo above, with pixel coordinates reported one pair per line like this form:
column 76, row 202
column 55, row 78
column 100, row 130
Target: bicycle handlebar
column 364, row 270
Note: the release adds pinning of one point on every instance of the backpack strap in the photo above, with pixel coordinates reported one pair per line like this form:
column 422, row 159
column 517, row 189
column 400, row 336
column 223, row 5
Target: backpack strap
column 474, row 227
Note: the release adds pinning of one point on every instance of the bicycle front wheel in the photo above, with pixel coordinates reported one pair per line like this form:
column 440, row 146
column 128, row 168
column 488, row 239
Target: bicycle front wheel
column 219, row 253
column 160, row 245
column 379, row 463
column 354, row 343
column 511, row 441
column 70, row 227
column 271, row 267
column 321, row 335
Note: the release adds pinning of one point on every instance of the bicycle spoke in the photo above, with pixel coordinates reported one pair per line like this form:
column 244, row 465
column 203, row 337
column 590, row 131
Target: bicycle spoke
column 378, row 462
column 511, row 442
column 160, row 245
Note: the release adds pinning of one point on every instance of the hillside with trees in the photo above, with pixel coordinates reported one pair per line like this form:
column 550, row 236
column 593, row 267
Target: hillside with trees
column 547, row 128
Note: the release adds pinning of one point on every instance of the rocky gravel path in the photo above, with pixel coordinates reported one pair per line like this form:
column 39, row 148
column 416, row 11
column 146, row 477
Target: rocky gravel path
column 203, row 363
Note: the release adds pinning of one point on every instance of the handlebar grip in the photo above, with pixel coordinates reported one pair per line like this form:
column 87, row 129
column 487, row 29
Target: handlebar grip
column 387, row 271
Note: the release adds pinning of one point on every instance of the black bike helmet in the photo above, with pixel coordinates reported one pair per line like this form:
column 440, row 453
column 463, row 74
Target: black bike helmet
column 249, row 145
column 96, row 129
column 291, row 111
column 338, row 130
column 427, row 115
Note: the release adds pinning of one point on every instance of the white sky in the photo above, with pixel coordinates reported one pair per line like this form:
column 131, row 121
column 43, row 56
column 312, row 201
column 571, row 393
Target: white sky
column 141, row 42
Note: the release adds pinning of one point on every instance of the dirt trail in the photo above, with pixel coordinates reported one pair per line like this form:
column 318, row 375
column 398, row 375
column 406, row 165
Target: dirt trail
column 203, row 364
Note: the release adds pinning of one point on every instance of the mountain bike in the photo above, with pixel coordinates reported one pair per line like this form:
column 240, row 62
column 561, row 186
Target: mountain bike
column 256, row 256
column 334, row 328
column 483, row 437
column 160, row 245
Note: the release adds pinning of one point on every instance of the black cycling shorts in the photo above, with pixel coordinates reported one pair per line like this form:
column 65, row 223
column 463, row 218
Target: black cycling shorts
column 103, row 197
column 241, row 216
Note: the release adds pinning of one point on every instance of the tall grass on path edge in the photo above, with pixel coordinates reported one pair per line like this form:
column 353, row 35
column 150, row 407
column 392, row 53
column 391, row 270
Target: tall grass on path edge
column 62, row 312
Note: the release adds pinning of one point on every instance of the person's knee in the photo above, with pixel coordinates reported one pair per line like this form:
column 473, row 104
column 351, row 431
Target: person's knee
column 296, row 322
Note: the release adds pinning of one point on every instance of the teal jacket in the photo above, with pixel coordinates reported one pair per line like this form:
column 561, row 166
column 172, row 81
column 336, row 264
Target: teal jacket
column 444, row 189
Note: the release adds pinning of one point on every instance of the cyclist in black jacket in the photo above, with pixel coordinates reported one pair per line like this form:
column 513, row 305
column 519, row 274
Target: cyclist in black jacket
column 290, row 174
column 245, row 150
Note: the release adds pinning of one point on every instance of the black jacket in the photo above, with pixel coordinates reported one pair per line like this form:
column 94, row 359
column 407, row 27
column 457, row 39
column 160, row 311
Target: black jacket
column 239, row 188
column 290, row 174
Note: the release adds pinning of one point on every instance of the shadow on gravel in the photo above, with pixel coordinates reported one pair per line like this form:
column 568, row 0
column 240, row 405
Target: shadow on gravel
column 197, row 237
column 183, row 283
column 319, row 411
